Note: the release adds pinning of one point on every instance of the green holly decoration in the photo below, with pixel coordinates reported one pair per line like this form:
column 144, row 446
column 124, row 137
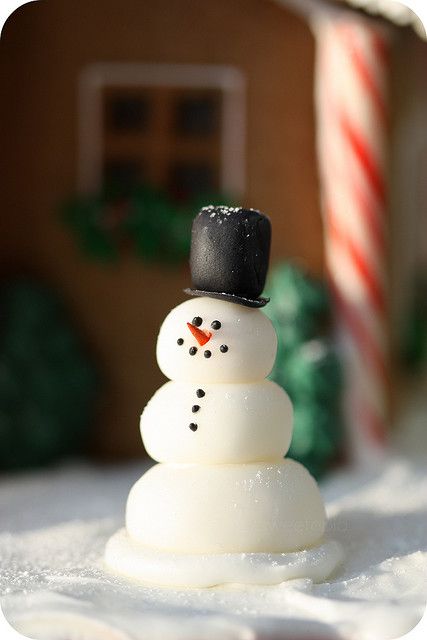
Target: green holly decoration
column 48, row 383
column 88, row 219
column 145, row 219
column 307, row 366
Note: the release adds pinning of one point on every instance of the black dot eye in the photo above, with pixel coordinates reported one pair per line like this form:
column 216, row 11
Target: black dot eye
column 193, row 426
column 216, row 325
column 207, row 354
column 200, row 393
column 192, row 351
column 180, row 341
column 197, row 321
column 223, row 348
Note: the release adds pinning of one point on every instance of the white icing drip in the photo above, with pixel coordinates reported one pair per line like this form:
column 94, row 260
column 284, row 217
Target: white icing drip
column 207, row 570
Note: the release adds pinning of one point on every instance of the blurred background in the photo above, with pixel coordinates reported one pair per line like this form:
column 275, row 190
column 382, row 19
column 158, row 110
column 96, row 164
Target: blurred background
column 118, row 121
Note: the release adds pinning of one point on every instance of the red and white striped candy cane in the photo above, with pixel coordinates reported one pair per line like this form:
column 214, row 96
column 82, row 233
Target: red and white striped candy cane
column 351, row 100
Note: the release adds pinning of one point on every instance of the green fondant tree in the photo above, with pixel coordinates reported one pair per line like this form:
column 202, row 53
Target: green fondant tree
column 307, row 366
column 414, row 343
column 48, row 383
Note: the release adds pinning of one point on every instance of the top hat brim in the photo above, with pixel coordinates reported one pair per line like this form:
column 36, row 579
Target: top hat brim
column 229, row 297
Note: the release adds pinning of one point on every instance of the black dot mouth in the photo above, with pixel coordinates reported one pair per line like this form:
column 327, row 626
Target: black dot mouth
column 192, row 351
column 207, row 353
column 223, row 348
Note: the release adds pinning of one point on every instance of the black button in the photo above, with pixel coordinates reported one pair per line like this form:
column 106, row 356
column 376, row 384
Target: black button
column 195, row 408
column 200, row 393
column 193, row 426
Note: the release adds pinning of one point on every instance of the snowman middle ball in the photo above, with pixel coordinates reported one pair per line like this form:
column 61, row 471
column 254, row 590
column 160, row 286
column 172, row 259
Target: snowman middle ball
column 240, row 343
column 229, row 423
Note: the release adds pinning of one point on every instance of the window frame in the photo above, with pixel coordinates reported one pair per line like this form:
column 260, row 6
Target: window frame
column 96, row 77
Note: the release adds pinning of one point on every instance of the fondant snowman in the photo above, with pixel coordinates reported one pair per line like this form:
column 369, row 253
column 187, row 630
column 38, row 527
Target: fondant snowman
column 219, row 430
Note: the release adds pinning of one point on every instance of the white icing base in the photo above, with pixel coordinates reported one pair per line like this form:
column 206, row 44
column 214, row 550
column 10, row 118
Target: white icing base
column 125, row 556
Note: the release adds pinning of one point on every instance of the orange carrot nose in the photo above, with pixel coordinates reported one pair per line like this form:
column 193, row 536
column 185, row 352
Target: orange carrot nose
column 202, row 337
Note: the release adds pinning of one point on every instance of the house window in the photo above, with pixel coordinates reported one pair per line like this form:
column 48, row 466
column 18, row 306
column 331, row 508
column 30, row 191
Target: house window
column 124, row 172
column 176, row 127
column 126, row 111
column 174, row 134
column 194, row 177
column 197, row 115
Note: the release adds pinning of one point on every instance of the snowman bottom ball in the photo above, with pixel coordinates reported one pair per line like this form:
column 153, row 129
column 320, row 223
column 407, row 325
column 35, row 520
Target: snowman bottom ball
column 202, row 525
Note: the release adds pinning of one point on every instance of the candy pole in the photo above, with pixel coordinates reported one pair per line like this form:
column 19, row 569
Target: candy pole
column 352, row 115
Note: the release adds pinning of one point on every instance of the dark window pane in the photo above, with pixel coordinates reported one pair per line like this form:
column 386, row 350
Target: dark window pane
column 188, row 179
column 127, row 113
column 197, row 116
column 122, row 173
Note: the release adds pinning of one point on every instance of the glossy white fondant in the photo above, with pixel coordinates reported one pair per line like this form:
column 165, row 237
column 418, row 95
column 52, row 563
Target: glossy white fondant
column 236, row 423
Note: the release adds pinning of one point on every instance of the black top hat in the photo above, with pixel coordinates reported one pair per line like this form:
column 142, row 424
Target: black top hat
column 230, row 249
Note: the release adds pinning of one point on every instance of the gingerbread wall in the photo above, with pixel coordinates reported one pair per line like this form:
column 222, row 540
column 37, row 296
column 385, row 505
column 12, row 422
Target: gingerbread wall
column 44, row 47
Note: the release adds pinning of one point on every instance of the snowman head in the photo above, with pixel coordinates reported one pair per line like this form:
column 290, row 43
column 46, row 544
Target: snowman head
column 209, row 340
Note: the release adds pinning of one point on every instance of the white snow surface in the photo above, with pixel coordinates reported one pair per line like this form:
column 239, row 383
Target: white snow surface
column 54, row 585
